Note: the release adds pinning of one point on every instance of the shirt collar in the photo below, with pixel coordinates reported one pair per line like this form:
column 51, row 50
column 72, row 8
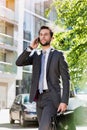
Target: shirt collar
column 48, row 50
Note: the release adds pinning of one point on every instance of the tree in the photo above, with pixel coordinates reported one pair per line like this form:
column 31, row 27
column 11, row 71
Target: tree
column 72, row 15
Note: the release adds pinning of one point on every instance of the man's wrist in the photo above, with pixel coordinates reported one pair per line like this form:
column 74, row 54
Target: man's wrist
column 30, row 47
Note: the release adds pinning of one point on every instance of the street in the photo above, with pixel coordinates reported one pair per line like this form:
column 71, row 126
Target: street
column 5, row 125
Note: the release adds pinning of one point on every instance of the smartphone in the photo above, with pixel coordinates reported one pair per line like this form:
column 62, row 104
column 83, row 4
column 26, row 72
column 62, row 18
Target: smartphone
column 38, row 39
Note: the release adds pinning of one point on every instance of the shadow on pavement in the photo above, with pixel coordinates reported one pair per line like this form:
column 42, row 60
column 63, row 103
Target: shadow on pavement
column 17, row 126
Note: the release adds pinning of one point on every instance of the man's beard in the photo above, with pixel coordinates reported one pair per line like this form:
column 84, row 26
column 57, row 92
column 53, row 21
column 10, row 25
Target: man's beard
column 45, row 44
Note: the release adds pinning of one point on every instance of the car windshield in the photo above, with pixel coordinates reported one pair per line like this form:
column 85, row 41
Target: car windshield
column 26, row 99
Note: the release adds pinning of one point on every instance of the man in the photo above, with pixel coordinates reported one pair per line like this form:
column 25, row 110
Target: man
column 45, row 87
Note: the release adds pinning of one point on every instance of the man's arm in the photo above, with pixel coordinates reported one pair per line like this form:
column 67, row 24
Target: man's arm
column 24, row 58
column 65, row 83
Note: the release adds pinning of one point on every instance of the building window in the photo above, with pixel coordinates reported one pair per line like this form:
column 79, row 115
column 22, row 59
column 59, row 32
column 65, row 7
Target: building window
column 2, row 56
column 25, row 44
column 27, row 35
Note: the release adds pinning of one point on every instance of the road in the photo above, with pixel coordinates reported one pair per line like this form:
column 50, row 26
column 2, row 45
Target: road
column 5, row 125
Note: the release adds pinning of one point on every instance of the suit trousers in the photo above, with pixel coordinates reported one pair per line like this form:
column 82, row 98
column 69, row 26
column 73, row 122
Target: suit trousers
column 45, row 110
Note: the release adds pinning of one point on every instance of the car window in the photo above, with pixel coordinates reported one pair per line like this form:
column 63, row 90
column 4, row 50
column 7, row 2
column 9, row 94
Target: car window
column 26, row 99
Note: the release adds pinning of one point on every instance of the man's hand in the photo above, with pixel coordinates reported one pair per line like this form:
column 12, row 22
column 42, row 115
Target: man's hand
column 62, row 107
column 34, row 44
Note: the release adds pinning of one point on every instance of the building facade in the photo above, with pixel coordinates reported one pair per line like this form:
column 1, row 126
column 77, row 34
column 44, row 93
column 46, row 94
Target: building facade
column 8, row 51
column 20, row 21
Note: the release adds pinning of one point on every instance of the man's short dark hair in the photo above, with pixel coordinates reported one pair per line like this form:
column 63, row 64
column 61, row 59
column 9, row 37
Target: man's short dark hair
column 46, row 27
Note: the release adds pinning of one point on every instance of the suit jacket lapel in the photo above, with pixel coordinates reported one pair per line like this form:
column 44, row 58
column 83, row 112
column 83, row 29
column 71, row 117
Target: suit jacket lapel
column 49, row 60
column 39, row 62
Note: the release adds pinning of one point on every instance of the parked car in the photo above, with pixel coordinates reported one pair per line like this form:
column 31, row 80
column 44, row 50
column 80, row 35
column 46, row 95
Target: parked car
column 22, row 110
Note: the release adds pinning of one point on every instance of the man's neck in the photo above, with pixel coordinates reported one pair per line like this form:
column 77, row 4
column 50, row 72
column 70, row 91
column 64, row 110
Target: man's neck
column 45, row 47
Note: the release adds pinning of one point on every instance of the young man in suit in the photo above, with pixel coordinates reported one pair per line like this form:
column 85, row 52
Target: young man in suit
column 45, row 86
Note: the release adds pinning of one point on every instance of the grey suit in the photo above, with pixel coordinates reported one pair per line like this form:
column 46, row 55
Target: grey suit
column 56, row 67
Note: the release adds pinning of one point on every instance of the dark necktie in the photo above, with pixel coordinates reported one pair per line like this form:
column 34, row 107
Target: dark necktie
column 41, row 80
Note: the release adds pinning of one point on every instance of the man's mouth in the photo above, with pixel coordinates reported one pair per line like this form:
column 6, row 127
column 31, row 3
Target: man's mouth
column 43, row 40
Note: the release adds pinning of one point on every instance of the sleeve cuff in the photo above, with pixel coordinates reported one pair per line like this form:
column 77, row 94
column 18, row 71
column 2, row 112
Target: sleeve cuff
column 29, row 49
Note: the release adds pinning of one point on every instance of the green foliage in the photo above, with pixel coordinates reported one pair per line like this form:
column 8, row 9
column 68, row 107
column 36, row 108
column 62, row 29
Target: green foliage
column 72, row 14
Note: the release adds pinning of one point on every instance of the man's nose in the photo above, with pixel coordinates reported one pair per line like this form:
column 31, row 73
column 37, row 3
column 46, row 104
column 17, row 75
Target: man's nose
column 43, row 35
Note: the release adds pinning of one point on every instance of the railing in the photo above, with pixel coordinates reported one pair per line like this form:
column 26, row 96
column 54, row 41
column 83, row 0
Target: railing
column 8, row 68
column 27, row 69
column 8, row 13
column 8, row 40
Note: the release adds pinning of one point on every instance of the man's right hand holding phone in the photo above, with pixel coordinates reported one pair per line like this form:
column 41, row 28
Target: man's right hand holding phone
column 34, row 44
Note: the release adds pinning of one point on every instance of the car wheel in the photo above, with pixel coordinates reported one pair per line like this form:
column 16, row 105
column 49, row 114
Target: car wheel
column 22, row 121
column 11, row 120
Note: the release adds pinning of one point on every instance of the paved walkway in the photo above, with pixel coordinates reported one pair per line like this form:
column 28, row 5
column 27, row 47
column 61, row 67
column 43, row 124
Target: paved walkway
column 4, row 118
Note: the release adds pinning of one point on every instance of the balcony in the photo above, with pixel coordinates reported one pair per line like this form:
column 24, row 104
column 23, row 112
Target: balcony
column 8, row 68
column 8, row 42
column 27, row 69
column 8, row 15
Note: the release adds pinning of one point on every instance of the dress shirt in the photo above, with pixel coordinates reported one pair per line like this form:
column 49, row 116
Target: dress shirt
column 45, row 87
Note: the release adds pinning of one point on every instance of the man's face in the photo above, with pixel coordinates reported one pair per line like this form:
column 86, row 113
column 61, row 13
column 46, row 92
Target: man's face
column 45, row 37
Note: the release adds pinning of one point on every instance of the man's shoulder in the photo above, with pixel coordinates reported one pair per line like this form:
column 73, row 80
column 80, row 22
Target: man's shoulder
column 59, row 52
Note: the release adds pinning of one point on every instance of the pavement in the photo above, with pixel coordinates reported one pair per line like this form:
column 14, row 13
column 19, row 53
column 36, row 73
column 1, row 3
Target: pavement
column 4, row 118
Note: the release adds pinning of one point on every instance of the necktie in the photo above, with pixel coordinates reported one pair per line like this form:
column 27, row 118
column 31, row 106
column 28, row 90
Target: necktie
column 41, row 80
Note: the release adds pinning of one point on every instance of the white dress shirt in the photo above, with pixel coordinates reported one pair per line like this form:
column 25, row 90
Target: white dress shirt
column 45, row 87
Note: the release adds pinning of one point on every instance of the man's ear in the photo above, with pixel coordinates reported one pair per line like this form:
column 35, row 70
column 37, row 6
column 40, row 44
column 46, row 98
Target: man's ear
column 52, row 38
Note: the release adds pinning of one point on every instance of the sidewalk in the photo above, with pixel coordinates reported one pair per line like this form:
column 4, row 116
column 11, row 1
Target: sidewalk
column 4, row 118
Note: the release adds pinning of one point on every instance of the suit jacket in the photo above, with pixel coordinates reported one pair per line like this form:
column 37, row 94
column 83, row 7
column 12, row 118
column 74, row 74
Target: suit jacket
column 56, row 67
